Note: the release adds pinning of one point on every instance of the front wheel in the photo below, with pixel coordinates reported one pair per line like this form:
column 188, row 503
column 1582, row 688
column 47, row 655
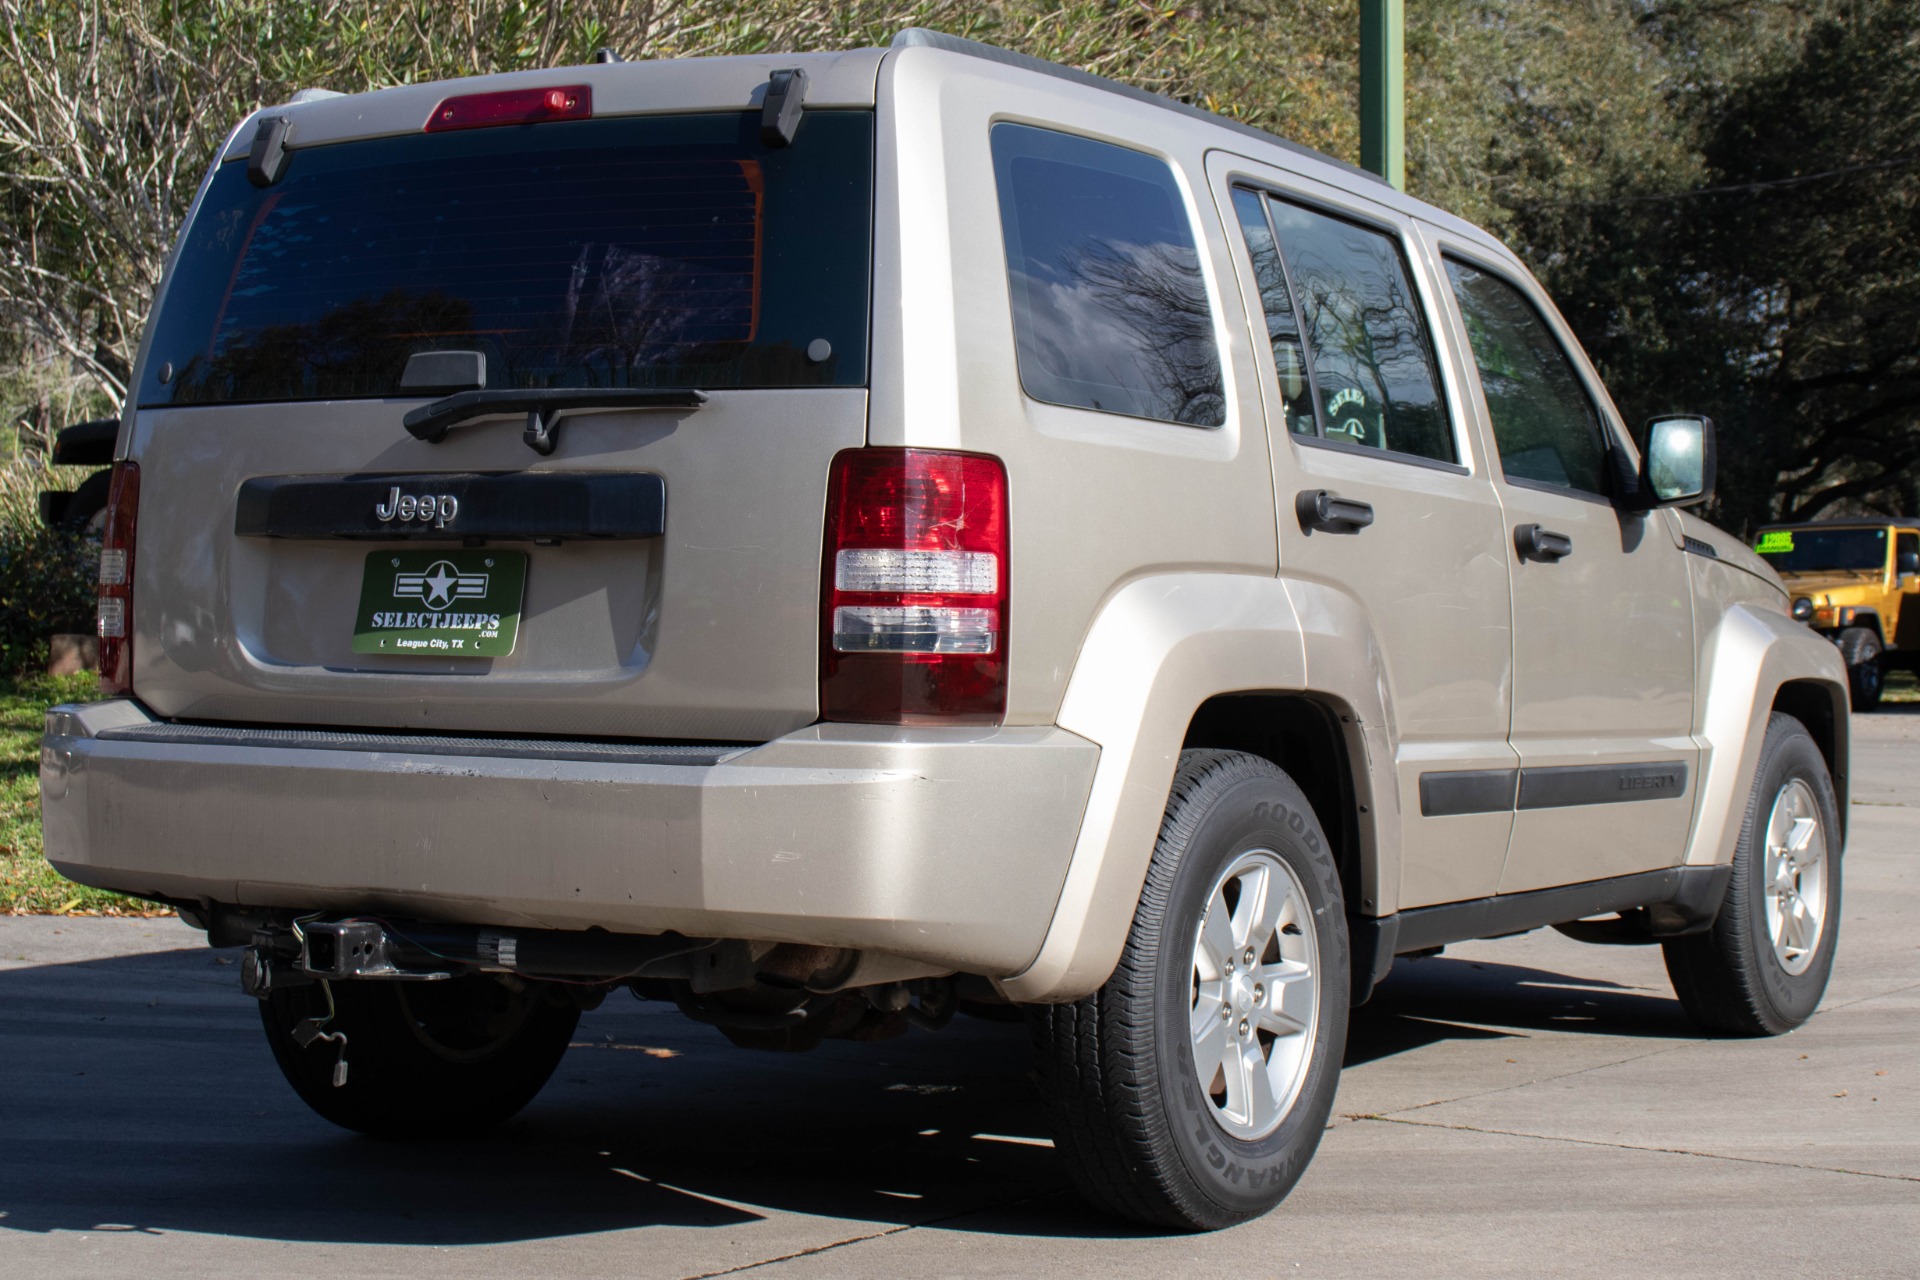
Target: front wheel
column 1863, row 653
column 1763, row 967
column 425, row 1059
column 1191, row 1090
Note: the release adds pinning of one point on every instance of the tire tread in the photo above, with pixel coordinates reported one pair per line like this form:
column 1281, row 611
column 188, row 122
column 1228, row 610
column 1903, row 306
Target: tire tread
column 1095, row 1064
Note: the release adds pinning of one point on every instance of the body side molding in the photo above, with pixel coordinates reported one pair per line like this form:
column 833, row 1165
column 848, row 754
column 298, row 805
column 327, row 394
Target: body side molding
column 1459, row 791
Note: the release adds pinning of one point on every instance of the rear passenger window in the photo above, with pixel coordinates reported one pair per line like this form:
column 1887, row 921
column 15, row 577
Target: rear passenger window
column 1109, row 310
column 1349, row 345
column 1544, row 424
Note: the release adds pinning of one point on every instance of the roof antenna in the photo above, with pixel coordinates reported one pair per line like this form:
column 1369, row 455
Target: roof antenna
column 780, row 113
column 607, row 54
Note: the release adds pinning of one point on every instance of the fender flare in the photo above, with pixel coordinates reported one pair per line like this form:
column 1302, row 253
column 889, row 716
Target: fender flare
column 1159, row 648
column 1747, row 658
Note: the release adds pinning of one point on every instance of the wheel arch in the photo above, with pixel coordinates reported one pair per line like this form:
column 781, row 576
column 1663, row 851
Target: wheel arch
column 1756, row 661
column 1313, row 738
column 1196, row 659
column 1822, row 709
column 1869, row 619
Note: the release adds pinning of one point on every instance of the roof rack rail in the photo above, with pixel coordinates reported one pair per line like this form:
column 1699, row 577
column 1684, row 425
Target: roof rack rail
column 925, row 38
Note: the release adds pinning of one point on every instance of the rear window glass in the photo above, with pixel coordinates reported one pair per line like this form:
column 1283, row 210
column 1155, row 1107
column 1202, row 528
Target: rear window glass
column 664, row 251
column 1109, row 310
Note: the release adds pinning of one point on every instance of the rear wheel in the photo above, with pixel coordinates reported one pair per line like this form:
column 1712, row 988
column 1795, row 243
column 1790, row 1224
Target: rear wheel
column 1861, row 650
column 1191, row 1090
column 425, row 1059
column 1763, row 967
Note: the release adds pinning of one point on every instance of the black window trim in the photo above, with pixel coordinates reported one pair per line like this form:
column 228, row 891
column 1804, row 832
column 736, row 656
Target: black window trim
column 1216, row 300
column 1559, row 490
column 1385, row 455
column 1610, row 432
column 1430, row 313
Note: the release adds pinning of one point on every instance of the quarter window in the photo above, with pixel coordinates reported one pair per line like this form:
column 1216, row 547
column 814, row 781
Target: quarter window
column 1283, row 330
column 1544, row 424
column 1350, row 347
column 1109, row 309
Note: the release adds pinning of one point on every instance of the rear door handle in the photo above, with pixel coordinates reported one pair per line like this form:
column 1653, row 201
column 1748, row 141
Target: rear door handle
column 1319, row 509
column 1536, row 543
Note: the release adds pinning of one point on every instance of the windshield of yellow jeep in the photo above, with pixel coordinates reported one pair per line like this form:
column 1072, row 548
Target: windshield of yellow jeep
column 1824, row 550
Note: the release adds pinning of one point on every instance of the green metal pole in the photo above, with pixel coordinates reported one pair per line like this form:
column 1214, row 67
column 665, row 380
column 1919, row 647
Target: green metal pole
column 1383, row 99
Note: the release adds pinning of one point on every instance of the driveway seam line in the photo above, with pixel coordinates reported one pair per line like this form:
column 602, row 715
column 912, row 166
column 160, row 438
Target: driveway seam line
column 1632, row 1146
column 802, row 1253
column 1521, row 1084
column 1617, row 1062
column 873, row 1235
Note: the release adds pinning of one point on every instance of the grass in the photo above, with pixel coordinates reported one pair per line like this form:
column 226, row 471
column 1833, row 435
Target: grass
column 28, row 886
column 1901, row 686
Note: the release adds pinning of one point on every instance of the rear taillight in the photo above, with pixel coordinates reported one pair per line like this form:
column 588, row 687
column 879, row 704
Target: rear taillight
column 116, row 579
column 513, row 106
column 914, row 589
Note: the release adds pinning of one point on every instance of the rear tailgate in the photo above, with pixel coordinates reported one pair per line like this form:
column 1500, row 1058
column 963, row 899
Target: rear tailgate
column 670, row 251
column 709, row 631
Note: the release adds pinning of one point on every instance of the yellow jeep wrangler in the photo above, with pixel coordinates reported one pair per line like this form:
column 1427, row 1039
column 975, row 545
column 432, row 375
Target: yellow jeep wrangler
column 1851, row 581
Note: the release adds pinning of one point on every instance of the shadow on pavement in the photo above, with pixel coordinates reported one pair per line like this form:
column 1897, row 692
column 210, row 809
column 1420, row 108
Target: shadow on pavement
column 142, row 1097
column 1424, row 1002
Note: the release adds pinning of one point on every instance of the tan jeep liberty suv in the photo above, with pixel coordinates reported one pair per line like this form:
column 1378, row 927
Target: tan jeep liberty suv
column 829, row 540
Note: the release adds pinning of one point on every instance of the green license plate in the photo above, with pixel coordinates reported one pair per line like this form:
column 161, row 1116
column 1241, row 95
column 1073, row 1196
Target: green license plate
column 441, row 604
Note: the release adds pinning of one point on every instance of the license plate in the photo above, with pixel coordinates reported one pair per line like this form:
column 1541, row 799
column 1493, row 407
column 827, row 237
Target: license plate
column 441, row 604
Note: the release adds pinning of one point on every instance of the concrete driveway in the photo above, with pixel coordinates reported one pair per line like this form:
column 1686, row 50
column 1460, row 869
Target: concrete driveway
column 1518, row 1107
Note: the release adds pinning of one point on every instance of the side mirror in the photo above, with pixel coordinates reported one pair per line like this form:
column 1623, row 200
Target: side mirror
column 1907, row 562
column 1677, row 470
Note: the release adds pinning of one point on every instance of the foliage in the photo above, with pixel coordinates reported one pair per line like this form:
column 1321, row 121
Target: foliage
column 46, row 587
column 1724, row 198
column 1721, row 194
column 27, row 883
column 109, row 114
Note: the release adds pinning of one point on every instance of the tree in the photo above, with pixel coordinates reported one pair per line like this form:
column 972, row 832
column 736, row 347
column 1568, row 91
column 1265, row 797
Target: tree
column 1722, row 196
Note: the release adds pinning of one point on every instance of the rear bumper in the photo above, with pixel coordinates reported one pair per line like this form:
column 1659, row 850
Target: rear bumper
column 947, row 846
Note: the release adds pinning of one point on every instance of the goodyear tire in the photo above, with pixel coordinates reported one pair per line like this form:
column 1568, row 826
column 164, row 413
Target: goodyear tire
column 1191, row 1090
column 1861, row 650
column 1763, row 967
column 425, row 1059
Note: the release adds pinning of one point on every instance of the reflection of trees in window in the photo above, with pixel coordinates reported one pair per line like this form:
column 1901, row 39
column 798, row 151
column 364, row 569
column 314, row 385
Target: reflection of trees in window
column 1544, row 426
column 1364, row 331
column 1151, row 294
column 360, row 343
column 625, row 310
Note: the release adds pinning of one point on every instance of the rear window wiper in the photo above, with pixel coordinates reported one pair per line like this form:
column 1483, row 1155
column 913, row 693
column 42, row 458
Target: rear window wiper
column 543, row 407
column 465, row 374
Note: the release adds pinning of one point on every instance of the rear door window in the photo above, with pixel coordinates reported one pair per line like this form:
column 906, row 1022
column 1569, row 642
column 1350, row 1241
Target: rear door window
column 1375, row 382
column 1109, row 308
column 1545, row 425
column 661, row 251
